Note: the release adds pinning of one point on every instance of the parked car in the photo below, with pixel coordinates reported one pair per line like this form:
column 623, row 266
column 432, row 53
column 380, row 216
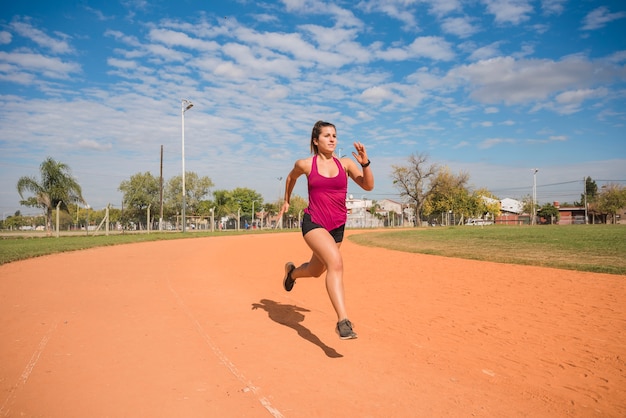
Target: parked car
column 478, row 222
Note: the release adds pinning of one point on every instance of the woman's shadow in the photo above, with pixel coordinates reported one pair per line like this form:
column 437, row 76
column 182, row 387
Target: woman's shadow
column 290, row 316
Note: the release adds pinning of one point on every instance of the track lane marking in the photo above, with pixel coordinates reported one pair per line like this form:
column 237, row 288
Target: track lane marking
column 223, row 359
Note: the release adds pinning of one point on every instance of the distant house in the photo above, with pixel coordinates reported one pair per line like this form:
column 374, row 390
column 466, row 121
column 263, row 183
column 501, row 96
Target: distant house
column 512, row 213
column 395, row 213
column 570, row 215
column 389, row 205
column 511, row 206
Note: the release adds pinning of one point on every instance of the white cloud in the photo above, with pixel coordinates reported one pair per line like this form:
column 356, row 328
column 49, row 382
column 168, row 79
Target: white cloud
column 426, row 79
column 35, row 63
column 376, row 94
column 444, row 7
column 120, row 36
column 617, row 57
column 265, row 17
column 553, row 7
column 577, row 96
column 175, row 38
column 296, row 5
column 228, row 70
column 5, row 37
column 93, row 145
column 122, row 64
column 511, row 81
column 432, row 47
column 166, row 54
column 486, row 52
column 56, row 46
column 492, row 142
column 509, row 11
column 459, row 26
column 342, row 17
column 599, row 17
column 394, row 9
column 571, row 101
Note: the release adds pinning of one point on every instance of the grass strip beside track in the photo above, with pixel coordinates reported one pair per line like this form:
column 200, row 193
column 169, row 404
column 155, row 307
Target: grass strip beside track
column 14, row 247
column 593, row 248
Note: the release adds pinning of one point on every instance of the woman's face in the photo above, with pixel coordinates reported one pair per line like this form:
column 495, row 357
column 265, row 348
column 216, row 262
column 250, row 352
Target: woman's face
column 327, row 140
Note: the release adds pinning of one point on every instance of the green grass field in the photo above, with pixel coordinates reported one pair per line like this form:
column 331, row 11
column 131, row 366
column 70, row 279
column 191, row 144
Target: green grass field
column 594, row 248
column 14, row 247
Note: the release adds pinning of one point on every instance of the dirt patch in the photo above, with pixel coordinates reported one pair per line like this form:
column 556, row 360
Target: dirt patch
column 202, row 327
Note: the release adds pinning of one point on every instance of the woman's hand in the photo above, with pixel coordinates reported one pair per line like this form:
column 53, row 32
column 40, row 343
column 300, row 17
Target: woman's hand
column 283, row 209
column 361, row 157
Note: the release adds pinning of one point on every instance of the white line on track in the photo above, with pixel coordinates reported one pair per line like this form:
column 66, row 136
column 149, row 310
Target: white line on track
column 6, row 405
column 225, row 361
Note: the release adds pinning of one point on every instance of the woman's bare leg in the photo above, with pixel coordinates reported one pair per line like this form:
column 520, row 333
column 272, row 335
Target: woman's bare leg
column 326, row 257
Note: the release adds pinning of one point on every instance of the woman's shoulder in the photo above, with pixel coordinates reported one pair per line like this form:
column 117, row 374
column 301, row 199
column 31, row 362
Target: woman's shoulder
column 347, row 163
column 304, row 164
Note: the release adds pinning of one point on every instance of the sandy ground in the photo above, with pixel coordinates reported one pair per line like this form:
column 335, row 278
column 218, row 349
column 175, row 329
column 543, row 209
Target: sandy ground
column 202, row 328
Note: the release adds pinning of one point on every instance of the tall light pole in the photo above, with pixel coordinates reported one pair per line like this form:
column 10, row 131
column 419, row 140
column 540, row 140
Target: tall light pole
column 252, row 226
column 185, row 106
column 534, row 195
column 279, row 221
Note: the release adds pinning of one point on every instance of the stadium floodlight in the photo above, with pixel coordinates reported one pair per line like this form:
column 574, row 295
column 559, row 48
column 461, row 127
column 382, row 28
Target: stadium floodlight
column 185, row 106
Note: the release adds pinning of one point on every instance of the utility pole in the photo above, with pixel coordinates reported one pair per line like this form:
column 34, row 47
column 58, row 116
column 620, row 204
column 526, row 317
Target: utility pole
column 161, row 187
column 534, row 220
column 585, row 194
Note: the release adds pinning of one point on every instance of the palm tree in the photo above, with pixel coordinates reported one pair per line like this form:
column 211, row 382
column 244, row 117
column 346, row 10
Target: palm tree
column 56, row 186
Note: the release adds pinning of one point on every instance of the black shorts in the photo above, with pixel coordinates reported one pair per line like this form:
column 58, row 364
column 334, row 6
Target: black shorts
column 308, row 225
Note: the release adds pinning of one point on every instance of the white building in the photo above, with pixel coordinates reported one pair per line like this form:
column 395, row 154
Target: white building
column 396, row 213
column 511, row 206
column 359, row 215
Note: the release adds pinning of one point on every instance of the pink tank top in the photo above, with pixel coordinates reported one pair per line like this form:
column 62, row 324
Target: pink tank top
column 327, row 197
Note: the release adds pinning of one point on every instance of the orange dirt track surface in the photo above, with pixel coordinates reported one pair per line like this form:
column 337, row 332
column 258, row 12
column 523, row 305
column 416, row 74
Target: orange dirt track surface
column 202, row 328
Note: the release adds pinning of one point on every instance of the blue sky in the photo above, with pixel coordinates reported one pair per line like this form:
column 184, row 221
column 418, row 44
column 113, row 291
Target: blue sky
column 491, row 88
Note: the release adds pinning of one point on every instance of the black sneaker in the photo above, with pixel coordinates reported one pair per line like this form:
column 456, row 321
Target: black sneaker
column 288, row 282
column 344, row 329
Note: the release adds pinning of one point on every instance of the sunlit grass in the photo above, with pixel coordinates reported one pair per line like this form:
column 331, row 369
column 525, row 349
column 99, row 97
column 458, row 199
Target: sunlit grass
column 22, row 246
column 595, row 248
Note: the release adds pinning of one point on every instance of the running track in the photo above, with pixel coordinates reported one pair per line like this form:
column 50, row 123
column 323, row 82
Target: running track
column 202, row 328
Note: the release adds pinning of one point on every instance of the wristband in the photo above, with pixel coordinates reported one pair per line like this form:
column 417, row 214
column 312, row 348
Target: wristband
column 366, row 164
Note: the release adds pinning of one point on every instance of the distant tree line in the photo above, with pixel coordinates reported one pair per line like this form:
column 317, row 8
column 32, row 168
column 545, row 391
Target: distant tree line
column 432, row 190
column 142, row 194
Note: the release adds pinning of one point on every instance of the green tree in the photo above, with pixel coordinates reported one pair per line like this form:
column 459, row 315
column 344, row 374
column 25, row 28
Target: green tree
column 14, row 222
column 488, row 203
column 196, row 189
column 590, row 194
column 549, row 212
column 611, row 199
column 528, row 206
column 65, row 219
column 450, row 194
column 56, row 187
column 244, row 197
column 225, row 204
column 297, row 204
column 139, row 192
column 415, row 181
